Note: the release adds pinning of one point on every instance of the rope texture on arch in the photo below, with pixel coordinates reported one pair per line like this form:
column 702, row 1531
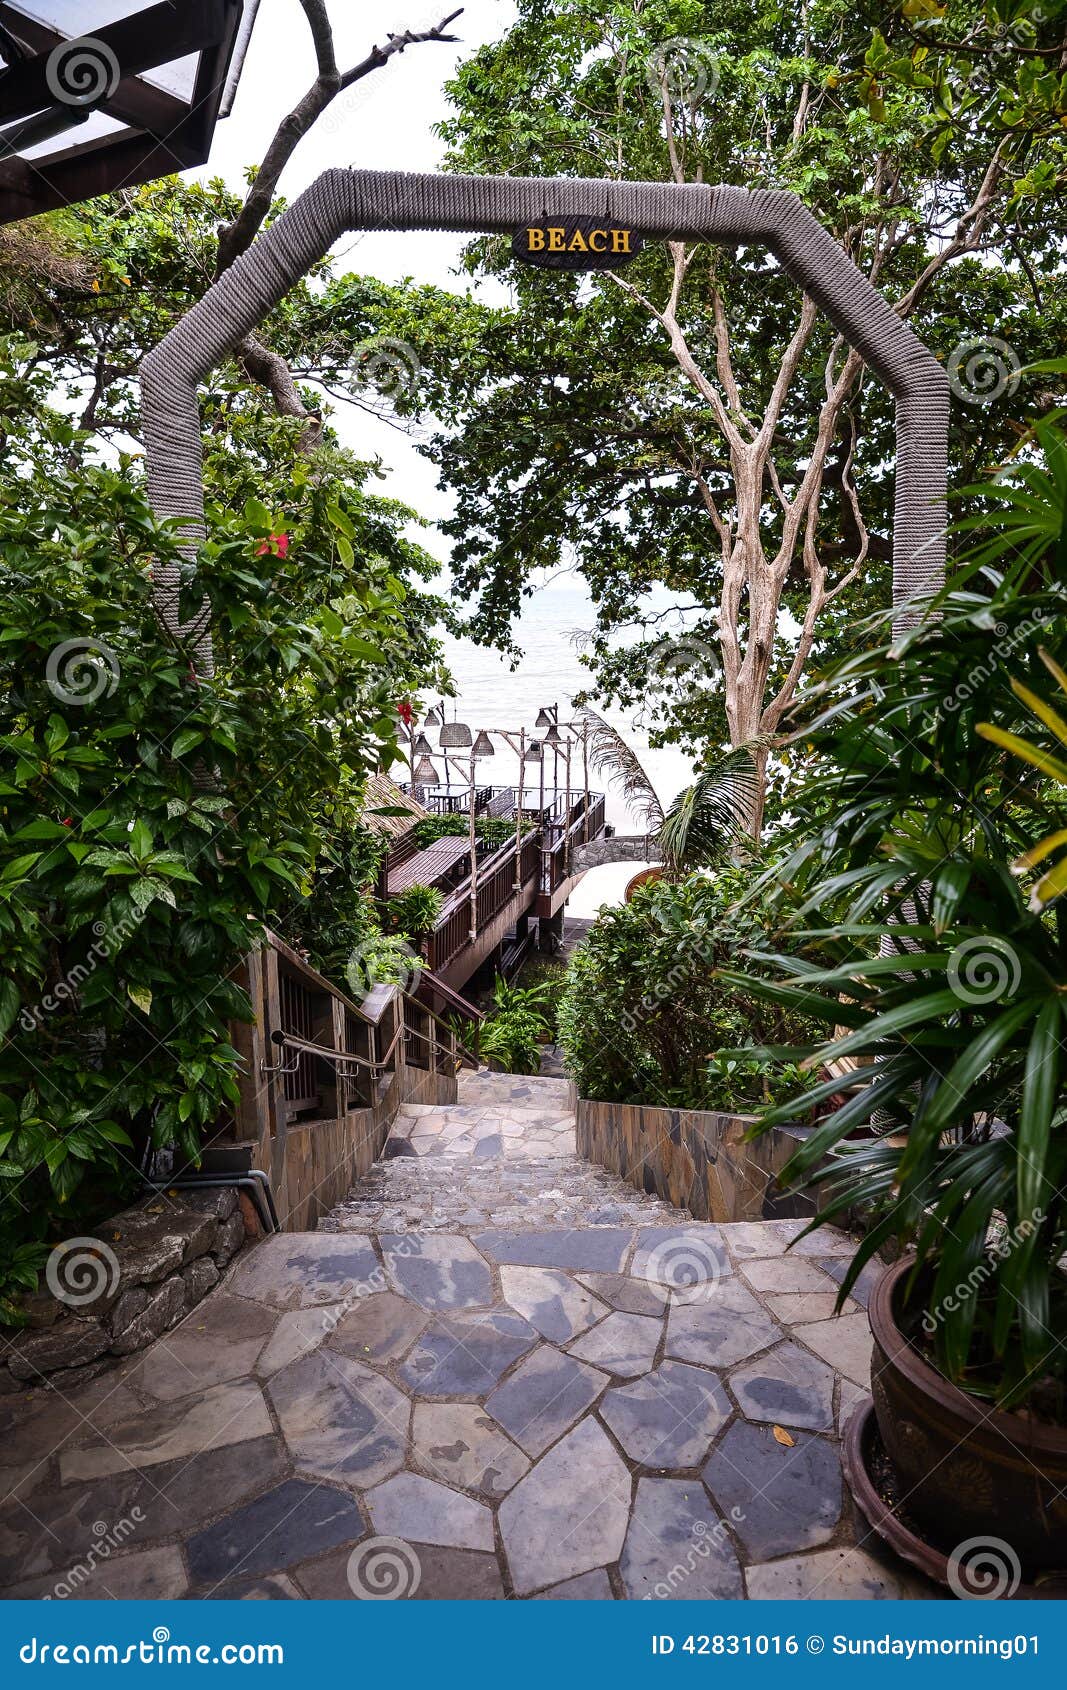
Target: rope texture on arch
column 342, row 201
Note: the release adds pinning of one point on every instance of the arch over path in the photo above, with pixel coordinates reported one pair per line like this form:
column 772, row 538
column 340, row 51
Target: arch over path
column 342, row 201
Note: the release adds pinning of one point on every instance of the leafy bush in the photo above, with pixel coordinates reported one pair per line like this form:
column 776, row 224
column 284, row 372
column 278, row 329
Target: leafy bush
column 150, row 821
column 937, row 788
column 511, row 1035
column 415, row 911
column 493, row 832
column 643, row 1017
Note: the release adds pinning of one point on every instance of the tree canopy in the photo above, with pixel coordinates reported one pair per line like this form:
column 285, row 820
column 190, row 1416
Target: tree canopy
column 692, row 423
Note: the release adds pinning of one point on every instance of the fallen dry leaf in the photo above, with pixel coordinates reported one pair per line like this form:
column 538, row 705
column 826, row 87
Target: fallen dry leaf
column 781, row 1436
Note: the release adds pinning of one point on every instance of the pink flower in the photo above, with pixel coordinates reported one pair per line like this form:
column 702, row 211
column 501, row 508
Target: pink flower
column 276, row 546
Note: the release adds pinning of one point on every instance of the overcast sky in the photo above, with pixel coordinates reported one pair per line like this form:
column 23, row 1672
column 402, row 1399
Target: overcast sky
column 384, row 123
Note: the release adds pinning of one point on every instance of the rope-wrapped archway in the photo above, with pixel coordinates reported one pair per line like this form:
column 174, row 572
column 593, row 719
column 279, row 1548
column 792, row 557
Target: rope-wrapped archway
column 342, row 201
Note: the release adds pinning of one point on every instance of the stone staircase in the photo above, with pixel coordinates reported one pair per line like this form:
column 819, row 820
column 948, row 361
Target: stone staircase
column 502, row 1156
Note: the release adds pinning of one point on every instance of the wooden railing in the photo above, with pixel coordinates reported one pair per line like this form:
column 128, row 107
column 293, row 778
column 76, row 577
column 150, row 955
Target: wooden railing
column 564, row 832
column 500, row 877
column 326, row 1053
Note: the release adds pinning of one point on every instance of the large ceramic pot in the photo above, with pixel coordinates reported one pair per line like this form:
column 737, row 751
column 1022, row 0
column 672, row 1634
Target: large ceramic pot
column 966, row 1470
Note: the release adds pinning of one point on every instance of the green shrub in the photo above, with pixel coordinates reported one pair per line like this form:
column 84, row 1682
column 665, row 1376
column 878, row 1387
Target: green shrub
column 492, row 832
column 415, row 911
column 642, row 1017
column 514, row 1030
column 151, row 821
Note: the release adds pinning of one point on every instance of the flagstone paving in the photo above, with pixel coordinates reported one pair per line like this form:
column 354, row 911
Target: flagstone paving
column 490, row 1375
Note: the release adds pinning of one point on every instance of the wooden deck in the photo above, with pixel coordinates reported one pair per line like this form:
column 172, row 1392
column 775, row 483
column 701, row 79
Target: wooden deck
column 528, row 878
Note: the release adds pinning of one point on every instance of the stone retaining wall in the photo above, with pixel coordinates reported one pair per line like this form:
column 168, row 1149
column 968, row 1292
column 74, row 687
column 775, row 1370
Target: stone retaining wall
column 696, row 1159
column 116, row 1292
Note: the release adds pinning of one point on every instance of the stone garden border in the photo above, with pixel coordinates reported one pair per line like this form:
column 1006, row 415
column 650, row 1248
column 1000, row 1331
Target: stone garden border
column 120, row 1290
column 696, row 1159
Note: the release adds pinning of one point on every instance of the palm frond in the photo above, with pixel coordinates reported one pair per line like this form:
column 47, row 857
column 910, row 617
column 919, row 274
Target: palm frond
column 617, row 762
column 708, row 817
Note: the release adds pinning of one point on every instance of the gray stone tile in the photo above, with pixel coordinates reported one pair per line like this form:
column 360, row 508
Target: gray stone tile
column 831, row 1575
column 294, row 1270
column 219, row 1340
column 787, row 1387
column 226, row 1414
column 144, row 1575
column 60, row 1522
column 569, row 1514
column 413, row 1573
column 686, row 1262
column 668, row 1418
column 438, row 1271
column 793, row 1307
column 676, row 1547
column 722, row 1331
column 786, row 1273
column 845, row 1343
column 271, row 1587
column 381, row 1328
column 544, row 1396
column 292, row 1521
column 824, row 1241
column 422, row 1511
column 587, row 1587
column 598, row 1250
column 296, row 1334
column 869, row 1275
column 623, row 1344
column 555, row 1303
column 747, row 1239
column 465, row 1355
column 461, row 1445
column 849, row 1400
column 340, row 1420
column 35, row 1425
column 631, row 1296
column 779, row 1500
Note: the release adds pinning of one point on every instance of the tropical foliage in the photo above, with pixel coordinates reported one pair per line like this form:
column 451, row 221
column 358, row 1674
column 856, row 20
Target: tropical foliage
column 704, row 823
column 644, row 1018
column 515, row 1028
column 152, row 821
column 692, row 424
column 935, row 777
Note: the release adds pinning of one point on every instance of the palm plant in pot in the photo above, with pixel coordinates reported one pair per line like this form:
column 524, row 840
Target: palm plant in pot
column 934, row 790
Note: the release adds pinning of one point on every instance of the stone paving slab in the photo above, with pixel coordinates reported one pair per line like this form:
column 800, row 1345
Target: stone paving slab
column 486, row 1377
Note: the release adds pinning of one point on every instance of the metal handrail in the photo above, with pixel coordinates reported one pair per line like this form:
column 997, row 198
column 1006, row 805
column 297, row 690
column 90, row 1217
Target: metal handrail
column 378, row 1065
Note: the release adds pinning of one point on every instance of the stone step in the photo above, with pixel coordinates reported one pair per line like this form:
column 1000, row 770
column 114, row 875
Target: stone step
column 511, row 1194
column 526, row 1090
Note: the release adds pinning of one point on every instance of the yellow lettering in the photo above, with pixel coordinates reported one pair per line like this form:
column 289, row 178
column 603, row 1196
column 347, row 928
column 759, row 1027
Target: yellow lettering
column 555, row 241
column 620, row 240
column 598, row 240
column 577, row 242
column 535, row 240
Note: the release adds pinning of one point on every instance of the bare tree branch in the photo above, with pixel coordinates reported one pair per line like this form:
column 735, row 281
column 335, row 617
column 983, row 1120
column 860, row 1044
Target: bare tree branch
column 329, row 82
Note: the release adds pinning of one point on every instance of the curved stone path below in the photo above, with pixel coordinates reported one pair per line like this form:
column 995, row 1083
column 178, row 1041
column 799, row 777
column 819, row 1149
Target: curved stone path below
column 494, row 1372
